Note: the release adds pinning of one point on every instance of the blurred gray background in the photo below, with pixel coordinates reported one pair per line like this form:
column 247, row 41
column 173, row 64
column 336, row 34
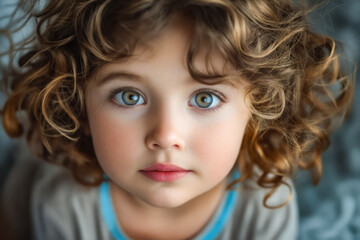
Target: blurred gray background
column 330, row 210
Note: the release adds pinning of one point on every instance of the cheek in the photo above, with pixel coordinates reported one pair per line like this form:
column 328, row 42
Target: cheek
column 114, row 140
column 217, row 145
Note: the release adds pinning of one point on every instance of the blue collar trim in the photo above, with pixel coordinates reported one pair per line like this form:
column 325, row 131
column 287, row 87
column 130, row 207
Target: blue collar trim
column 108, row 212
column 223, row 214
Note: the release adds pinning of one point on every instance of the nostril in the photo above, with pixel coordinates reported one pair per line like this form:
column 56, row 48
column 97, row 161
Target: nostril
column 155, row 145
column 165, row 146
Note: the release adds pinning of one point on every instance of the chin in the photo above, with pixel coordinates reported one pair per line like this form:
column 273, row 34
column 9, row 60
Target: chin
column 162, row 201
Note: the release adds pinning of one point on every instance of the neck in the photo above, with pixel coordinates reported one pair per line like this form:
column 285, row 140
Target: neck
column 139, row 220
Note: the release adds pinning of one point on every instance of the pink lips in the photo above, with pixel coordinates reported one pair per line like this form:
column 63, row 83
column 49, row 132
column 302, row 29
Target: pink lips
column 164, row 172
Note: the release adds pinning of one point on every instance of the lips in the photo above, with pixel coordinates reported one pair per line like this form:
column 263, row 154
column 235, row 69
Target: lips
column 164, row 172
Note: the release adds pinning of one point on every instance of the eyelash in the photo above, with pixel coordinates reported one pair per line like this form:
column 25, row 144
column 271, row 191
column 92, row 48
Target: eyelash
column 217, row 94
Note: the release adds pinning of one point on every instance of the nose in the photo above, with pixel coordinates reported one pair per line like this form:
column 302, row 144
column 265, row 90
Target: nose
column 165, row 132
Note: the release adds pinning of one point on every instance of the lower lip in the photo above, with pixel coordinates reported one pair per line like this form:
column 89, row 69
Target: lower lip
column 165, row 176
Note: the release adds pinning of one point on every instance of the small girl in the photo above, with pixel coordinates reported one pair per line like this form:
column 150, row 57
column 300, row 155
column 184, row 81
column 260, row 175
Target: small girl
column 171, row 119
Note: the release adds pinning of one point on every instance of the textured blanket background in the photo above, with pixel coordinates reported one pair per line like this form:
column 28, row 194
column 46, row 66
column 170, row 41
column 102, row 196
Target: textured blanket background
column 330, row 210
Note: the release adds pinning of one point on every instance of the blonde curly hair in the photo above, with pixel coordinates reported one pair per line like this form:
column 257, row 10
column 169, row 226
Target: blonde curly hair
column 295, row 86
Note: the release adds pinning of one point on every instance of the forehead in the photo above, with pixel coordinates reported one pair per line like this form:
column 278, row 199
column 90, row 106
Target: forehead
column 175, row 41
column 169, row 51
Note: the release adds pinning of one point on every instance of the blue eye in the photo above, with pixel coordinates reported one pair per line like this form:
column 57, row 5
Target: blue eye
column 129, row 98
column 204, row 100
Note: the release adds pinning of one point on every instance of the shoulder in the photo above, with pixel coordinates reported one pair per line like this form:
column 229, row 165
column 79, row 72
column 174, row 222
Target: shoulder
column 62, row 208
column 43, row 199
column 54, row 185
column 252, row 220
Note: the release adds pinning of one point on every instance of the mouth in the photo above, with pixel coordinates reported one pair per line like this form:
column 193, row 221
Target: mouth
column 164, row 172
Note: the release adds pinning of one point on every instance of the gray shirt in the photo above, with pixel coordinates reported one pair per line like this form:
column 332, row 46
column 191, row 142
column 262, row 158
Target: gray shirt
column 43, row 201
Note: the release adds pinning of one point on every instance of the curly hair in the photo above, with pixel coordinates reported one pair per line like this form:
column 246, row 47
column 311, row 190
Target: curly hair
column 294, row 83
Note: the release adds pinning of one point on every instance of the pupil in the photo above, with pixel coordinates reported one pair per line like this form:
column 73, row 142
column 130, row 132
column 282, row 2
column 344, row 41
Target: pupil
column 205, row 99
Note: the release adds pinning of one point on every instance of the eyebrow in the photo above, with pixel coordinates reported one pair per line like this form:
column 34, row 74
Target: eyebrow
column 120, row 75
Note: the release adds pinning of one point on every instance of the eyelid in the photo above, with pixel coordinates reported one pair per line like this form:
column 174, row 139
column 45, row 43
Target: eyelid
column 212, row 91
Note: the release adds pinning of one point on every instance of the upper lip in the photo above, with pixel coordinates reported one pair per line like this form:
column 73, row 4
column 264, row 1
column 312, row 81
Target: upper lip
column 164, row 168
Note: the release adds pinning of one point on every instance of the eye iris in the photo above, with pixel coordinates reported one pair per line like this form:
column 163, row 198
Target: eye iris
column 204, row 100
column 130, row 98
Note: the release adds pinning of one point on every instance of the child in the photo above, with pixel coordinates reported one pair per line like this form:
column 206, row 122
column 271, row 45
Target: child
column 177, row 119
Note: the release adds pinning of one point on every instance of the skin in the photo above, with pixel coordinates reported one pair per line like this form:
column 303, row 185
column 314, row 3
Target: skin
column 168, row 128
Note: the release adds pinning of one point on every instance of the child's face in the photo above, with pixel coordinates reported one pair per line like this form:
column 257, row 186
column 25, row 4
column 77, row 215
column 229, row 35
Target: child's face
column 159, row 135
